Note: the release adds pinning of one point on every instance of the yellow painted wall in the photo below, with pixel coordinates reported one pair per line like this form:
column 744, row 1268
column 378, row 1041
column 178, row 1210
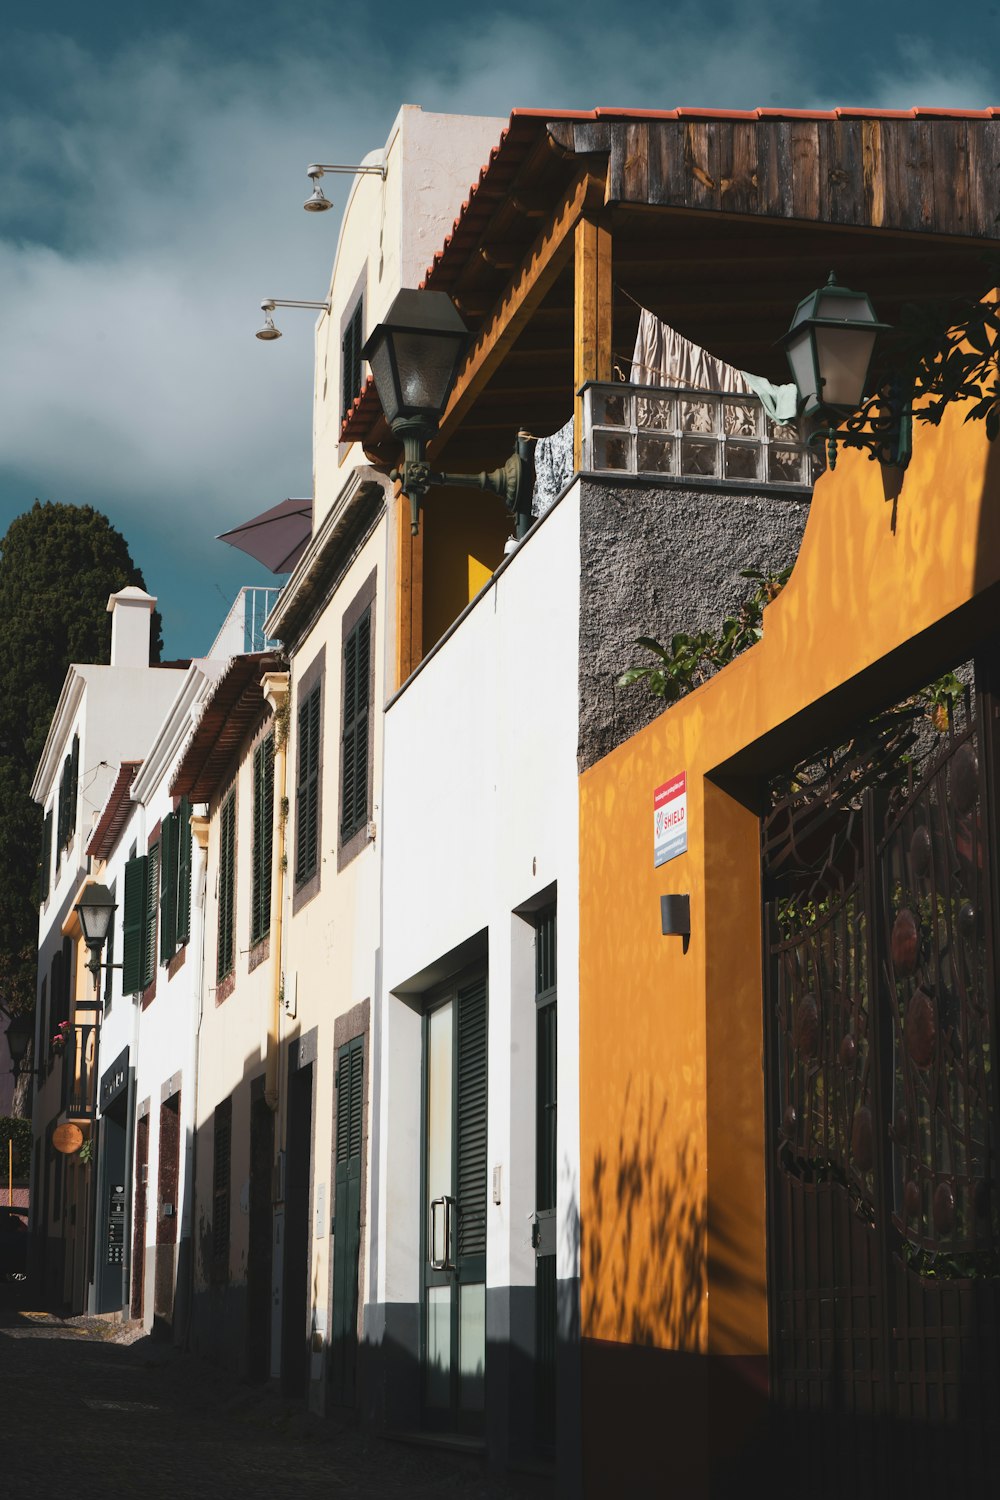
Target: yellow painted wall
column 464, row 534
column 885, row 593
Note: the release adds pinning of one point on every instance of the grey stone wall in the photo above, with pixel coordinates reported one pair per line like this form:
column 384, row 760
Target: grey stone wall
column 655, row 561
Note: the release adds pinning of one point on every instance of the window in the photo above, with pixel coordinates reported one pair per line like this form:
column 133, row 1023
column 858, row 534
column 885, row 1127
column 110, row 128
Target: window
column 354, row 736
column 226, row 957
column 175, row 881
column 307, row 788
column 350, row 367
column 68, row 786
column 46, row 870
column 142, row 884
column 223, row 1133
column 263, row 823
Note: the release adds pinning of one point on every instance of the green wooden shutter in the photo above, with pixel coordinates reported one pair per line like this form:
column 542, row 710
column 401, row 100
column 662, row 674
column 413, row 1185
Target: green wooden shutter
column 227, row 886
column 134, row 925
column 307, row 788
column 168, row 888
column 184, row 872
column 263, row 824
column 74, row 785
column 152, row 903
column 221, row 1178
column 354, row 738
column 347, row 1218
column 471, row 1118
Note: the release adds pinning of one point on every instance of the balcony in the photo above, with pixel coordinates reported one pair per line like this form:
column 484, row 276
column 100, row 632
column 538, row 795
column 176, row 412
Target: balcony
column 79, row 1071
column 243, row 628
column 657, row 432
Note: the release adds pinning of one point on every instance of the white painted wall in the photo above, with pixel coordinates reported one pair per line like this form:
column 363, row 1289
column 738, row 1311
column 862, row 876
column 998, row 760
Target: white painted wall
column 481, row 815
column 389, row 234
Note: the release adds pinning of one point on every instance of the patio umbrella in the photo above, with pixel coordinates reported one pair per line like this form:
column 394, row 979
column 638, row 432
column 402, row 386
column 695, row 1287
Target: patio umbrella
column 277, row 537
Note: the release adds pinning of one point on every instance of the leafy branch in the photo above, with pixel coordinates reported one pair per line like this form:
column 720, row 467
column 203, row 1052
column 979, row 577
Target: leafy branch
column 690, row 660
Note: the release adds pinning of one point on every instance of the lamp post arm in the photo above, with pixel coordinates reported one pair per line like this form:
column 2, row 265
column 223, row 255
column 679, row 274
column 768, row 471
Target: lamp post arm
column 513, row 482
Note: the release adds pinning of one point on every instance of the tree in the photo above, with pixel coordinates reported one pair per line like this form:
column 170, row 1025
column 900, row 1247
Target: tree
column 58, row 564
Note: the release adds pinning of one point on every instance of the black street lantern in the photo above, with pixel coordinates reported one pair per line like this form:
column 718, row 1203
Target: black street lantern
column 19, row 1033
column 414, row 356
column 829, row 348
column 95, row 909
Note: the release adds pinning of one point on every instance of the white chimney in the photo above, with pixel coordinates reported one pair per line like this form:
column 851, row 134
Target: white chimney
column 131, row 613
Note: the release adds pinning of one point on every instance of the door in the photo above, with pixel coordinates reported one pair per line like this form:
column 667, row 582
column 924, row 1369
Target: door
column 544, row 1227
column 259, row 1262
column 295, row 1306
column 347, row 1221
column 881, row 1017
column 455, row 1191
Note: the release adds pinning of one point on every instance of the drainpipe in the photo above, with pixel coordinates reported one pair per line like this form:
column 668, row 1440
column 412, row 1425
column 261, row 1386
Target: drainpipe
column 275, row 687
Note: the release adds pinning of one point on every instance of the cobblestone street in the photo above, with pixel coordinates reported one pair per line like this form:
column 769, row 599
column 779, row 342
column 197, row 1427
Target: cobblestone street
column 86, row 1416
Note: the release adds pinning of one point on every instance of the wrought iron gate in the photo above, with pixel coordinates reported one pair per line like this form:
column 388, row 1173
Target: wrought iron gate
column 880, row 924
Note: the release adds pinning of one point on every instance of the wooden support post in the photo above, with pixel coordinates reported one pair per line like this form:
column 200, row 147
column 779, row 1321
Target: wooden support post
column 409, row 589
column 592, row 315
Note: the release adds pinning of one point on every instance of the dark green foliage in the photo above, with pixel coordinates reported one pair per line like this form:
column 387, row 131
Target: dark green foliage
column 945, row 352
column 19, row 1131
column 58, row 564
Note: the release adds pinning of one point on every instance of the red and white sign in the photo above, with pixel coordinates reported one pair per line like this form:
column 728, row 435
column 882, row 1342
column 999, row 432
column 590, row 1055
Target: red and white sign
column 670, row 819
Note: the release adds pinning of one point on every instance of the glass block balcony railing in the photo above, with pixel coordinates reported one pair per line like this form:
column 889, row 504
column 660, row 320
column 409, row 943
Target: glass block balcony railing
column 690, row 434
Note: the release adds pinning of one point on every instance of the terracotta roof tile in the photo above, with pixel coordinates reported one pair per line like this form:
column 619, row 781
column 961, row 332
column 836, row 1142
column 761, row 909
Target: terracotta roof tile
column 115, row 812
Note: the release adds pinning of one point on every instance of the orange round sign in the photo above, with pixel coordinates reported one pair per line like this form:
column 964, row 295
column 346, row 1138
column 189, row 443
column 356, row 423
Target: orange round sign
column 67, row 1138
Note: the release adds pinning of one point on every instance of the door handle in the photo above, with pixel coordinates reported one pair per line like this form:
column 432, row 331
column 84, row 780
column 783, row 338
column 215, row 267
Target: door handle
column 444, row 1263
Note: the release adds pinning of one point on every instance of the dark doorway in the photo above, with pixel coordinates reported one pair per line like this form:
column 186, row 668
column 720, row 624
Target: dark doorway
column 294, row 1321
column 259, row 1258
column 139, row 1215
column 168, row 1179
column 110, row 1217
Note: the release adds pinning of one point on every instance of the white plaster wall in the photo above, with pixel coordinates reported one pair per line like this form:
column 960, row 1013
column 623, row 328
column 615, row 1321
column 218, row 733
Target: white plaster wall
column 331, row 941
column 389, row 234
column 480, row 798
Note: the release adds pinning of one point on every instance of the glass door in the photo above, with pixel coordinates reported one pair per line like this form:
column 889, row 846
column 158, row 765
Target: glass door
column 454, row 1229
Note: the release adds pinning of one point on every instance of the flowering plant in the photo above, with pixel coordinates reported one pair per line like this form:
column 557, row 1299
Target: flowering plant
column 60, row 1036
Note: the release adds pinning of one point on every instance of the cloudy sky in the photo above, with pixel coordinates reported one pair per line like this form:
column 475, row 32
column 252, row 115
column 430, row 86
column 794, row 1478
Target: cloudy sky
column 151, row 180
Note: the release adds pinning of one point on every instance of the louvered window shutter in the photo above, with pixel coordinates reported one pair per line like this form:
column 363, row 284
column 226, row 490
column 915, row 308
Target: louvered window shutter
column 133, row 925
column 74, row 785
column 152, row 903
column 347, row 1214
column 227, row 886
column 183, row 872
column 354, row 742
column 168, row 888
column 471, row 1121
column 263, row 823
column 307, row 788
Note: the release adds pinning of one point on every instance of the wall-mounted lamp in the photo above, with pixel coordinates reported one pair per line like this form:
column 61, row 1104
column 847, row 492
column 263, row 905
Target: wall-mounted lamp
column 20, row 1032
column 829, row 347
column 675, row 916
column 267, row 308
column 318, row 202
column 95, row 909
column 414, row 357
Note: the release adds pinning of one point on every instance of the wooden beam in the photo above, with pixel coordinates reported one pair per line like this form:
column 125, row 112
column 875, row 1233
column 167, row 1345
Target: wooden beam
column 594, row 295
column 549, row 254
column 409, row 590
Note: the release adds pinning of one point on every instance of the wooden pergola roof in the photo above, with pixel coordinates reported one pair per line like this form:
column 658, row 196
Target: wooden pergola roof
column 720, row 221
column 235, row 708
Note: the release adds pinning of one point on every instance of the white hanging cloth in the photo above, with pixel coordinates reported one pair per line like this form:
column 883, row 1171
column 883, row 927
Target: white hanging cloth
column 664, row 357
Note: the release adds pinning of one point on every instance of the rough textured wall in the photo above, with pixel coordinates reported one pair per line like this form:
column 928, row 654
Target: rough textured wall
column 657, row 561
